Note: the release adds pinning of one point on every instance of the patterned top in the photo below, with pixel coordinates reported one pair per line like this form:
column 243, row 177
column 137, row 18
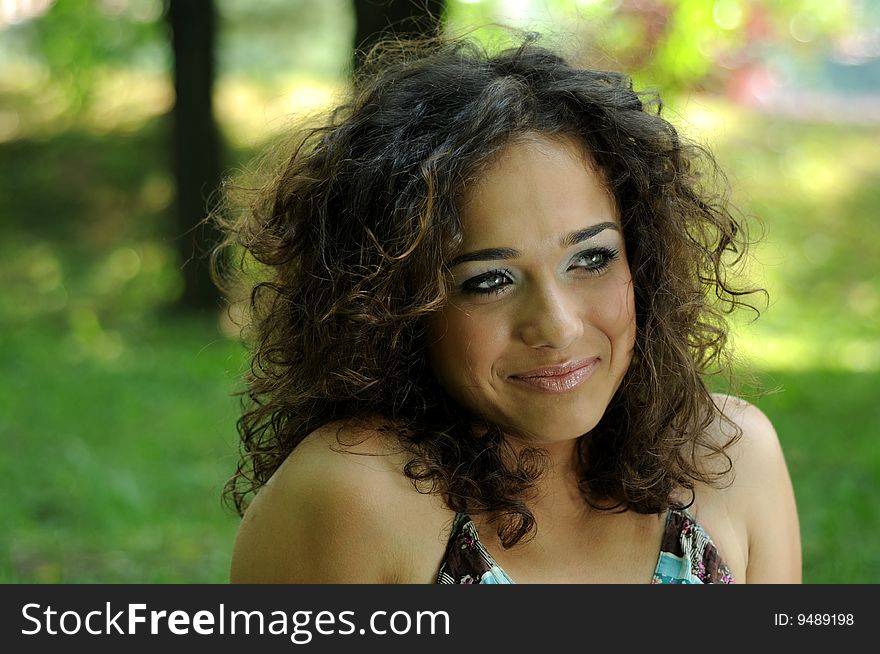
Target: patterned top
column 687, row 555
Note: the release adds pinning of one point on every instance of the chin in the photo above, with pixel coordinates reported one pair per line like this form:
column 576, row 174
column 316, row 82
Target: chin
column 558, row 429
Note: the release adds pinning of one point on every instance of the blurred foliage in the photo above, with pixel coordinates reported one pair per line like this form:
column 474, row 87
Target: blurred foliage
column 85, row 179
column 85, row 230
column 271, row 40
column 673, row 45
column 75, row 43
column 78, row 40
column 812, row 186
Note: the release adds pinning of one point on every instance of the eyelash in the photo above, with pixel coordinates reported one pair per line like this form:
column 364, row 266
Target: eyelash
column 471, row 286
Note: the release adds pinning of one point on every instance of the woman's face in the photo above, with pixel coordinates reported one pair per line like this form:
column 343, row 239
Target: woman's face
column 539, row 327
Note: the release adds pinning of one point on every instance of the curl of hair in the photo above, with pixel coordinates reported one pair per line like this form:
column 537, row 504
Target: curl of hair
column 351, row 234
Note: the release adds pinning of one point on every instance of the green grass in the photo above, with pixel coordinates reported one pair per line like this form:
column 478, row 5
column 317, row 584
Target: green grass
column 113, row 467
column 828, row 424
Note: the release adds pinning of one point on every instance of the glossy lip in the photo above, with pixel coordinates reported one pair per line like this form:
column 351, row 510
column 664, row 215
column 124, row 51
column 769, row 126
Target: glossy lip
column 558, row 379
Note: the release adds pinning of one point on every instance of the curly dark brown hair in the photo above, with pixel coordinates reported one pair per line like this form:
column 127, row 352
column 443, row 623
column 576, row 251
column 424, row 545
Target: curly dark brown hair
column 351, row 238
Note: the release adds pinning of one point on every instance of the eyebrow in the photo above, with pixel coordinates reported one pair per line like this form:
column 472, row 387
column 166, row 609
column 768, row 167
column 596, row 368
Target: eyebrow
column 494, row 254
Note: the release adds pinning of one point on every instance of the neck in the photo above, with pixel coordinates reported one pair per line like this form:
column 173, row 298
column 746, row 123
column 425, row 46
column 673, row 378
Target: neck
column 557, row 494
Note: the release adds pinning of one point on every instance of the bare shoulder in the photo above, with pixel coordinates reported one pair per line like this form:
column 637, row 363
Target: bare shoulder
column 755, row 451
column 339, row 510
column 760, row 498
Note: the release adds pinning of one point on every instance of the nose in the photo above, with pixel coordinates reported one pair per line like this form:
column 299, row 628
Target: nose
column 551, row 317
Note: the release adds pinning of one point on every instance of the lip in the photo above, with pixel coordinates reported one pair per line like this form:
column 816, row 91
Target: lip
column 560, row 378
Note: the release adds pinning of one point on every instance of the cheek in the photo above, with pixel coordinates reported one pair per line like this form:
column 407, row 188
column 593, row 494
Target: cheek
column 617, row 313
column 629, row 314
column 463, row 346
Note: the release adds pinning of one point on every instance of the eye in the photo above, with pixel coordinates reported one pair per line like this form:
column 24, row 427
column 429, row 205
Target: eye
column 492, row 282
column 594, row 260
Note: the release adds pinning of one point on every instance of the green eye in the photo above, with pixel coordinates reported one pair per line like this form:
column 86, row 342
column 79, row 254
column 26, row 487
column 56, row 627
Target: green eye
column 595, row 259
column 493, row 281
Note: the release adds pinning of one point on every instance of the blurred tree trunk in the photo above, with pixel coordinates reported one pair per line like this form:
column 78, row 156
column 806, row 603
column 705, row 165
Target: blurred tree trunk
column 196, row 147
column 405, row 18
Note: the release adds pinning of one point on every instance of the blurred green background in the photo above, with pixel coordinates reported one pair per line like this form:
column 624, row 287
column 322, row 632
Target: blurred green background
column 117, row 416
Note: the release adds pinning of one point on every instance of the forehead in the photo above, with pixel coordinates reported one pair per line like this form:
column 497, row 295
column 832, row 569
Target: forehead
column 536, row 189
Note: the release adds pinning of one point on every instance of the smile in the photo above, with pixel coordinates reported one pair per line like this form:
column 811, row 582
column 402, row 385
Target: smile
column 558, row 379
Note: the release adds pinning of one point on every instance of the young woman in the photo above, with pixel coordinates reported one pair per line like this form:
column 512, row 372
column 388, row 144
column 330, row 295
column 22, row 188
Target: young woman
column 489, row 293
